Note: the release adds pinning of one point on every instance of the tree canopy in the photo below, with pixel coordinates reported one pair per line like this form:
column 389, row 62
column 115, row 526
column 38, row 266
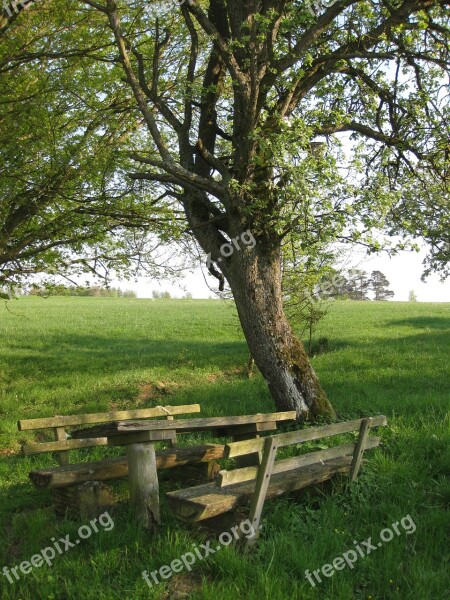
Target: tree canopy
column 233, row 115
column 212, row 117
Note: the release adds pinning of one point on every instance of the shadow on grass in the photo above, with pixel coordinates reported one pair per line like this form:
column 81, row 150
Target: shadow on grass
column 22, row 498
column 324, row 345
column 422, row 322
column 360, row 376
column 76, row 355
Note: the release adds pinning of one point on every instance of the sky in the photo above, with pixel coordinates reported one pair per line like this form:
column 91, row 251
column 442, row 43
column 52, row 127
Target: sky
column 403, row 272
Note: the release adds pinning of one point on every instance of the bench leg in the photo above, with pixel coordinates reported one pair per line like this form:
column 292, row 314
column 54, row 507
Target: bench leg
column 61, row 436
column 143, row 482
column 359, row 449
column 173, row 441
column 262, row 483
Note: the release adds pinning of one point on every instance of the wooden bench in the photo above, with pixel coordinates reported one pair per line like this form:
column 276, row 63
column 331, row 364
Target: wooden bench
column 251, row 486
column 75, row 486
column 139, row 436
column 66, row 479
column 59, row 424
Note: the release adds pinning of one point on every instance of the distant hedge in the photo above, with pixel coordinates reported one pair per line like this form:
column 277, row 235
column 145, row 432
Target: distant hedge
column 93, row 291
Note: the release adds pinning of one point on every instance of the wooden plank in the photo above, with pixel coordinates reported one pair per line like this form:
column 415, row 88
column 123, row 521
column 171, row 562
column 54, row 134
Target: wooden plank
column 246, row 430
column 304, row 435
column 173, row 441
column 185, row 425
column 141, row 437
column 360, row 447
column 261, row 485
column 247, row 460
column 38, row 448
column 286, row 464
column 143, row 484
column 121, row 415
column 114, row 468
column 74, row 444
column 60, row 436
column 208, row 500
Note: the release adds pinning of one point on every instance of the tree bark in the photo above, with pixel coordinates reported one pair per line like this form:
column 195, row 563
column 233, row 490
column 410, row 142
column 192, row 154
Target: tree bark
column 254, row 275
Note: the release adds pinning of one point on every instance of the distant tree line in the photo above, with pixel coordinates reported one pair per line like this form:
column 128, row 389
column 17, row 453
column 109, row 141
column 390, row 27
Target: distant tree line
column 163, row 295
column 356, row 285
column 81, row 290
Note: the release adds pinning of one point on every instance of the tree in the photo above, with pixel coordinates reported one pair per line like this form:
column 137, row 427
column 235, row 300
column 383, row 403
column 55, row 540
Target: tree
column 357, row 285
column 232, row 97
column 61, row 211
column 304, row 304
column 310, row 282
column 379, row 286
column 412, row 296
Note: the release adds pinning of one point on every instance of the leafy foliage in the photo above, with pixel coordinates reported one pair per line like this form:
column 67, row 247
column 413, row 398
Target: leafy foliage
column 66, row 204
column 221, row 106
column 380, row 286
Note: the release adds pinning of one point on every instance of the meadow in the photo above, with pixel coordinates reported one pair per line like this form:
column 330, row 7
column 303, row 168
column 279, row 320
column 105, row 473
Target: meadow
column 78, row 355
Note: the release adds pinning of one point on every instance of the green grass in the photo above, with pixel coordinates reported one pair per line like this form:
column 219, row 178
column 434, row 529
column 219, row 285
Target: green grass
column 69, row 355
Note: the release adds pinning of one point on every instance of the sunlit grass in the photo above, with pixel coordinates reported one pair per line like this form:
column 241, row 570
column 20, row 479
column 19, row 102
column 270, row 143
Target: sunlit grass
column 69, row 355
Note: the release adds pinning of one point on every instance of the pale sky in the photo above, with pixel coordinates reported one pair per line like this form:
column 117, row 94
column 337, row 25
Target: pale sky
column 403, row 272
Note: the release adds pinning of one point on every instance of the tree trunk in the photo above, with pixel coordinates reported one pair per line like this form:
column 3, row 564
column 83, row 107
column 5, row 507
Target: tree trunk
column 255, row 280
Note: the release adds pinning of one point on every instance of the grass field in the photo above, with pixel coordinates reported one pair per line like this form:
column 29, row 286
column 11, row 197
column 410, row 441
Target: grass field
column 74, row 355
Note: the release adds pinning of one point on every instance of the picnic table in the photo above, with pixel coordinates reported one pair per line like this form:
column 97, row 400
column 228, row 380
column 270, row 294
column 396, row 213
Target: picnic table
column 139, row 438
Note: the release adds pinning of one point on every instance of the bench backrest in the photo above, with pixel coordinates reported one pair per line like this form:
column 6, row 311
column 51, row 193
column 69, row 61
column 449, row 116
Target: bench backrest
column 267, row 447
column 59, row 424
column 245, row 447
column 304, row 435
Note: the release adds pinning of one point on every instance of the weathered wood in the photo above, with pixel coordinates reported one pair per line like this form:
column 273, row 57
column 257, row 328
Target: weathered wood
column 244, row 431
column 121, row 415
column 82, row 501
column 39, row 448
column 304, row 435
column 262, row 484
column 143, row 484
column 173, row 441
column 101, row 470
column 206, row 501
column 361, row 445
column 141, row 437
column 186, row 425
column 212, row 468
column 73, row 444
column 114, row 468
column 286, row 464
column 61, row 435
column 251, row 459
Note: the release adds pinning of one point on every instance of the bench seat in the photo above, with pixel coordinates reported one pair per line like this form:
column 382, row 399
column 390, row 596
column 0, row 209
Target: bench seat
column 114, row 468
column 209, row 500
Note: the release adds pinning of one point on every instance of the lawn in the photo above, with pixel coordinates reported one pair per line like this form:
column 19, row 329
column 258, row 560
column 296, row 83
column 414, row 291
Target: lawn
column 76, row 355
